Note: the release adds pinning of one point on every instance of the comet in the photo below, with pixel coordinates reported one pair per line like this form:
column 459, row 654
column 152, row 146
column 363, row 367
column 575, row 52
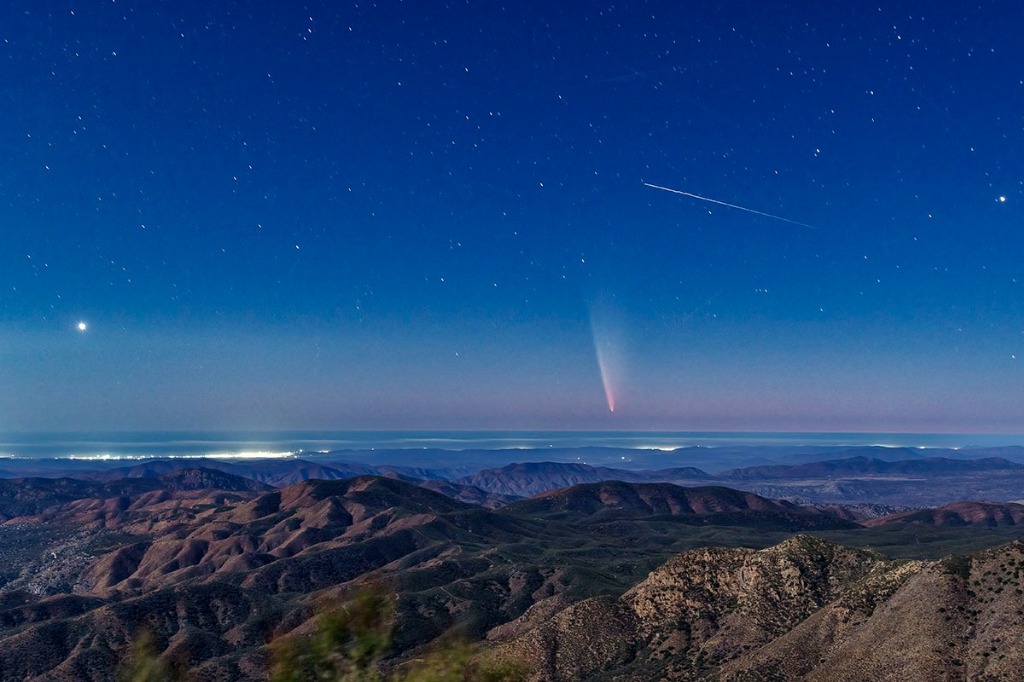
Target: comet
column 728, row 205
column 608, row 348
column 603, row 365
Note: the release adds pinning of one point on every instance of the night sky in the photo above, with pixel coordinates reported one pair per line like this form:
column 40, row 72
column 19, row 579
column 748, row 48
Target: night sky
column 428, row 215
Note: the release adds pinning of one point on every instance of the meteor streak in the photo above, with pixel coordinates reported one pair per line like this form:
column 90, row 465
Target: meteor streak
column 728, row 205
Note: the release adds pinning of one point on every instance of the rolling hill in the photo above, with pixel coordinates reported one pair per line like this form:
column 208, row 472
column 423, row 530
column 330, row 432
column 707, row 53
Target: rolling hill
column 525, row 479
column 708, row 505
column 958, row 514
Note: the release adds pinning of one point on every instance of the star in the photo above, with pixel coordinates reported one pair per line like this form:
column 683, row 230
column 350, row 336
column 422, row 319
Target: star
column 82, row 326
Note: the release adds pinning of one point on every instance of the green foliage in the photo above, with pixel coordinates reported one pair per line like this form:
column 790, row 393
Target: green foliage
column 347, row 646
column 958, row 566
column 145, row 665
column 351, row 641
column 455, row 662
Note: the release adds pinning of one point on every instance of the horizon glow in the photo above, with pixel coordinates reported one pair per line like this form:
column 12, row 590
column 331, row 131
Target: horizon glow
column 105, row 456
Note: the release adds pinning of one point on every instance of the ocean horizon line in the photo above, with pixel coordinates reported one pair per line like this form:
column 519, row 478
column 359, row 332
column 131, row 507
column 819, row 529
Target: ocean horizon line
column 268, row 443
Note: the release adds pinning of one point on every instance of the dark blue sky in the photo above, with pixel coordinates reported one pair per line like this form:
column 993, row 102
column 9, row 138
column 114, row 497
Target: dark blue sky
column 427, row 215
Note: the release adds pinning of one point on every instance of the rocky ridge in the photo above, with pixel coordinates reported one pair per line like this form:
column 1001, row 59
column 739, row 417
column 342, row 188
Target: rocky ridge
column 805, row 609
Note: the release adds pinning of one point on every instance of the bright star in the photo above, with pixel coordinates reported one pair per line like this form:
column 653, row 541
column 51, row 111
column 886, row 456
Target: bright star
column 1002, row 199
column 82, row 326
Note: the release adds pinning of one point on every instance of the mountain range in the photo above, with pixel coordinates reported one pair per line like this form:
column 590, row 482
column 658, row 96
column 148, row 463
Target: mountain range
column 694, row 581
column 923, row 480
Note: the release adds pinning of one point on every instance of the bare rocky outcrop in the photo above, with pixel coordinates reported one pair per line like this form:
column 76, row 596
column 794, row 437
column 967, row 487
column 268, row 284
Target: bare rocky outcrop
column 805, row 609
